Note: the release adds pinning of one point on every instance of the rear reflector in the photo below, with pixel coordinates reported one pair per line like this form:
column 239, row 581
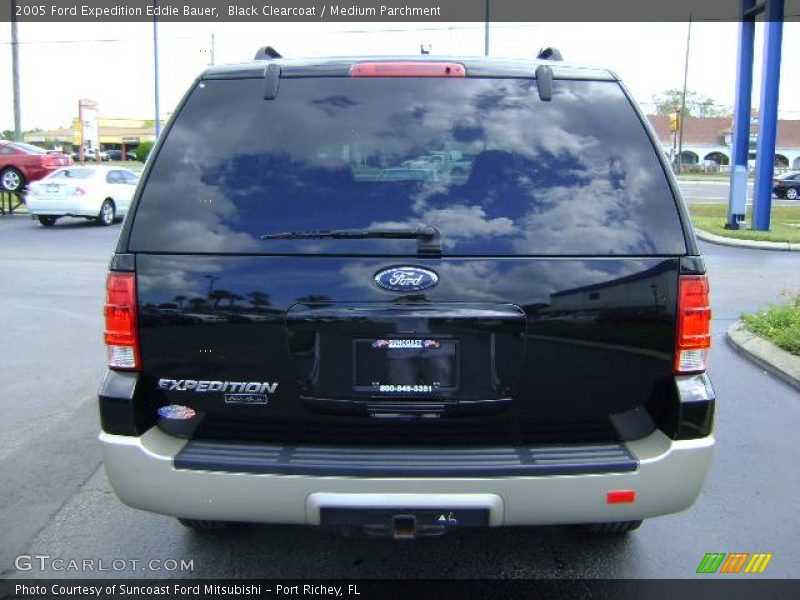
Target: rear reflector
column 621, row 496
column 408, row 69
column 121, row 337
column 694, row 325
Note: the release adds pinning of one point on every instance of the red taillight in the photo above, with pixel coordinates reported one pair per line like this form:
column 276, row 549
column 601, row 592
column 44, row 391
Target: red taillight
column 621, row 497
column 122, row 340
column 408, row 69
column 694, row 325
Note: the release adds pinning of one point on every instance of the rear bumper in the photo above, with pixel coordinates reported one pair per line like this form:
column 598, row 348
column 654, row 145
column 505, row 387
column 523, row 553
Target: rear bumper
column 142, row 471
column 71, row 206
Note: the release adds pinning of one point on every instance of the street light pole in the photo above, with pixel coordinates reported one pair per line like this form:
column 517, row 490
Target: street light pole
column 155, row 68
column 683, row 97
column 15, row 73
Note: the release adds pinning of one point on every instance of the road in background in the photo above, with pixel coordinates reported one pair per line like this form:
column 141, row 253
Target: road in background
column 716, row 192
column 56, row 500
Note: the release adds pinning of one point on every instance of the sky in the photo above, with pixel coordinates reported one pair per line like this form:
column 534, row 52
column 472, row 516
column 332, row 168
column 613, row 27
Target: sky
column 112, row 63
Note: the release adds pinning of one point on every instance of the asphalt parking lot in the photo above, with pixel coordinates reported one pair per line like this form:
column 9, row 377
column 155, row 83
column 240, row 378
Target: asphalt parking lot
column 55, row 499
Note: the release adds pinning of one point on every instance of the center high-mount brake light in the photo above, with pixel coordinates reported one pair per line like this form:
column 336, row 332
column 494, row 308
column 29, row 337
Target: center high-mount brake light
column 121, row 337
column 408, row 69
column 694, row 325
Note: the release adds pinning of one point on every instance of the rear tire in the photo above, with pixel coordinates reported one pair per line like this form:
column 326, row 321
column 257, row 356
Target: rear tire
column 617, row 528
column 791, row 194
column 47, row 221
column 12, row 180
column 107, row 213
column 200, row 525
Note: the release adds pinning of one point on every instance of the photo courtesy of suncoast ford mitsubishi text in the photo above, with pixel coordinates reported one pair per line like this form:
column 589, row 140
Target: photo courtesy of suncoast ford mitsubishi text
column 400, row 296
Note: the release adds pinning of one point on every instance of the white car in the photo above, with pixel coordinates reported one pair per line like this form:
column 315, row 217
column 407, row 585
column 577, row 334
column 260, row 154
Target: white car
column 94, row 192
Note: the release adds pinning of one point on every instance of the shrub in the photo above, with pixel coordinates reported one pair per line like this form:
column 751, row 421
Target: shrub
column 780, row 324
column 143, row 151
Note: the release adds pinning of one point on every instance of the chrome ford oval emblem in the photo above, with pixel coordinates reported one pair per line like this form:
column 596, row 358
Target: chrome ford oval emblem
column 406, row 279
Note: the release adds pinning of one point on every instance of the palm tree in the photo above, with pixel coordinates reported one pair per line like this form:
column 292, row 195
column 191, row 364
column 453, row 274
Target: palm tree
column 233, row 298
column 180, row 300
column 259, row 300
column 197, row 305
column 218, row 296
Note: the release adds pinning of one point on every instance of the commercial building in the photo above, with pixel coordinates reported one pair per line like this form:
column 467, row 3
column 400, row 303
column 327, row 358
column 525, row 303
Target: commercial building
column 118, row 134
column 707, row 141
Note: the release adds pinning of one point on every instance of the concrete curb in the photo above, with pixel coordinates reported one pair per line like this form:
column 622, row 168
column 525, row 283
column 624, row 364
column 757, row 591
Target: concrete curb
column 765, row 354
column 752, row 244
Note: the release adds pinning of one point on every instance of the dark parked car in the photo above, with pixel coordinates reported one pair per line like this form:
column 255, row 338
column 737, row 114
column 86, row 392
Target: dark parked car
column 117, row 155
column 787, row 185
column 404, row 356
column 21, row 164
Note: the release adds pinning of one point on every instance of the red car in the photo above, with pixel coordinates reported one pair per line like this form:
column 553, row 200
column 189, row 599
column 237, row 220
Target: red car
column 22, row 163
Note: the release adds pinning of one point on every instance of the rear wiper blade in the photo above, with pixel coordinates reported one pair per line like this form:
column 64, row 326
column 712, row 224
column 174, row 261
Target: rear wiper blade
column 429, row 238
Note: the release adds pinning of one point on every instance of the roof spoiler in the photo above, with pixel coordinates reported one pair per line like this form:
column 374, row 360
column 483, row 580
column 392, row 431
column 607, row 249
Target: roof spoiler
column 549, row 53
column 267, row 53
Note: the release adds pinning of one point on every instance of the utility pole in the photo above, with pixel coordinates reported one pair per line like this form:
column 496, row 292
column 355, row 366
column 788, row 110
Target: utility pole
column 674, row 120
column 81, row 150
column 155, row 68
column 212, row 50
column 683, row 97
column 15, row 73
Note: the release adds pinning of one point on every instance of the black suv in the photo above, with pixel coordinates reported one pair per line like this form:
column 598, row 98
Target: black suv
column 306, row 324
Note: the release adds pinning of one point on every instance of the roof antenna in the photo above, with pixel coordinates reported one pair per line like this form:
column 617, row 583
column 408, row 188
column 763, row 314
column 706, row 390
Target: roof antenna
column 544, row 82
column 549, row 53
column 267, row 53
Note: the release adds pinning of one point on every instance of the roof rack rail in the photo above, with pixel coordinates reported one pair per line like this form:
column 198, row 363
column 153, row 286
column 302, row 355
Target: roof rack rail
column 267, row 53
column 549, row 53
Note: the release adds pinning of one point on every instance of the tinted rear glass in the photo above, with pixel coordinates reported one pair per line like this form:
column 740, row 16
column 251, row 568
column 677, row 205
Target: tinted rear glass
column 497, row 170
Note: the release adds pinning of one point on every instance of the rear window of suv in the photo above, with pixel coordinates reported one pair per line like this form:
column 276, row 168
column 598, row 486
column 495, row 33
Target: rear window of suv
column 496, row 169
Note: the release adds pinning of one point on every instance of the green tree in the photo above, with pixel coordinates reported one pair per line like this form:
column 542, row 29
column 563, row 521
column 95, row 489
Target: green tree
column 259, row 300
column 180, row 299
column 143, row 151
column 197, row 305
column 697, row 105
column 8, row 134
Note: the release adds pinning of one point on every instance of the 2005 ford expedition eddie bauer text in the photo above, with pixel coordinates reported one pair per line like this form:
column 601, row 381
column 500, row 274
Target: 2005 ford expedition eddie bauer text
column 306, row 323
